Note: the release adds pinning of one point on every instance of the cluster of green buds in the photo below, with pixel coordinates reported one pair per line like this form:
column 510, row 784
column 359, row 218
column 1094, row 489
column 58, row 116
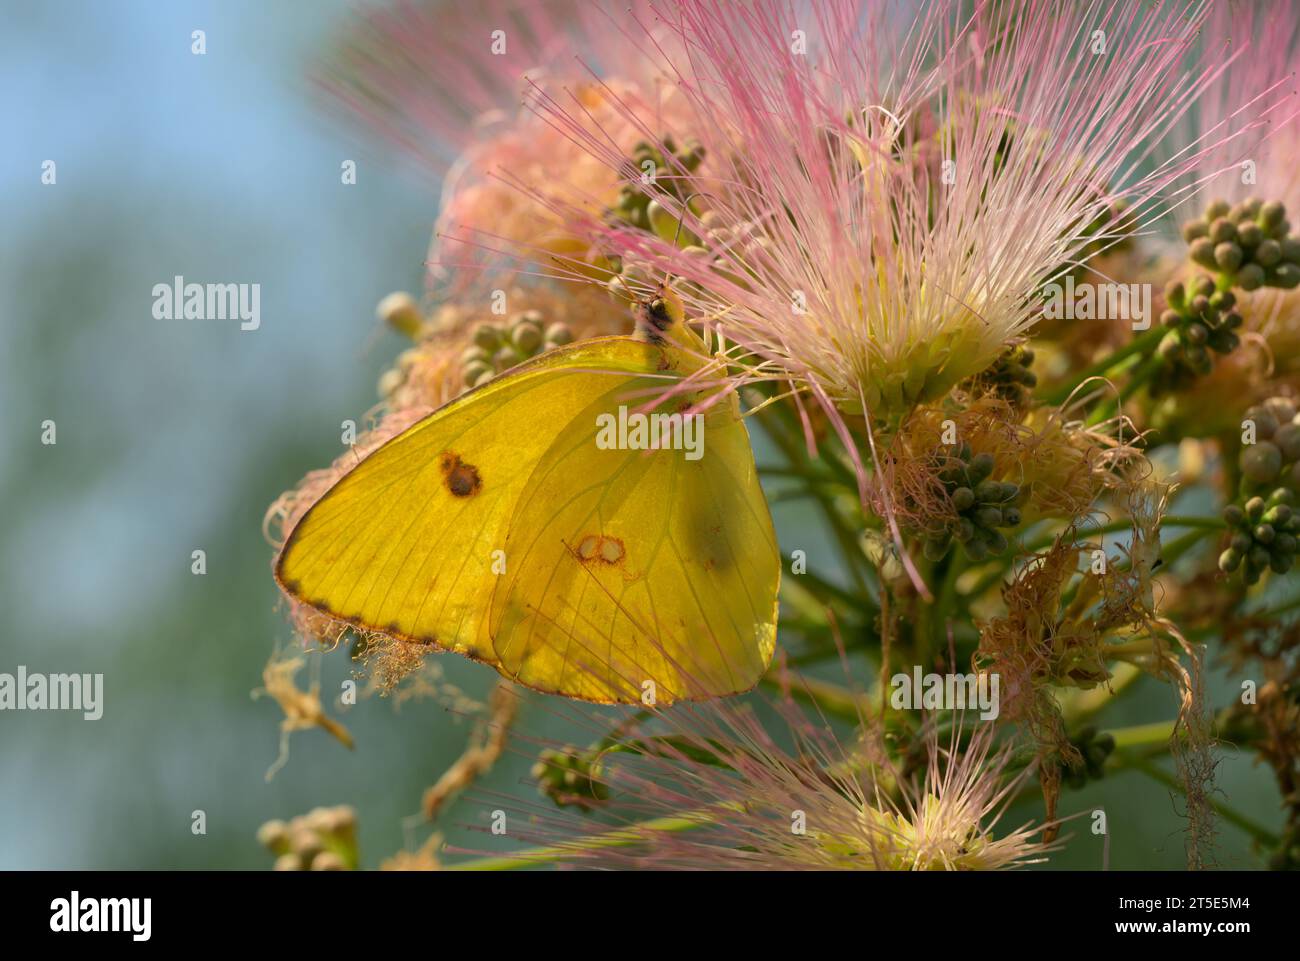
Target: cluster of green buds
column 1263, row 535
column 570, row 776
column 1266, row 525
column 324, row 839
column 498, row 347
column 1248, row 244
column 1094, row 749
column 1009, row 377
column 1198, row 321
column 983, row 505
column 1270, row 456
column 650, row 165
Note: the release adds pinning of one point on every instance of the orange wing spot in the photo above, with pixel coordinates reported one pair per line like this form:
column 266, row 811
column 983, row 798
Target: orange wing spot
column 598, row 547
column 611, row 550
column 588, row 547
column 462, row 479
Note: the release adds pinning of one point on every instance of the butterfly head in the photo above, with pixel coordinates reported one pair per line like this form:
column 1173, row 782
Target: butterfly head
column 661, row 318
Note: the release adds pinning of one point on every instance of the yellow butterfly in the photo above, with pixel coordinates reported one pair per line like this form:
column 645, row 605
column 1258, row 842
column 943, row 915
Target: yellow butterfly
column 526, row 524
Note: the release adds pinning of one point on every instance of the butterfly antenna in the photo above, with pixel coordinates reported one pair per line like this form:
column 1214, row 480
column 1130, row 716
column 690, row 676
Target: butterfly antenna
column 681, row 216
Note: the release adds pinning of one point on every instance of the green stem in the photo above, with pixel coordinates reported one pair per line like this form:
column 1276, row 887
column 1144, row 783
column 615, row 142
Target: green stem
column 1108, row 408
column 623, row 837
column 1149, row 338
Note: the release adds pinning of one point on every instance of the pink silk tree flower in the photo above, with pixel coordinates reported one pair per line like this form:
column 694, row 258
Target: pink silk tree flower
column 712, row 786
column 882, row 203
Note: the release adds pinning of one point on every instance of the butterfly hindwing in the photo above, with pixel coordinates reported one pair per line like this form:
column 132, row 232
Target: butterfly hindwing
column 632, row 566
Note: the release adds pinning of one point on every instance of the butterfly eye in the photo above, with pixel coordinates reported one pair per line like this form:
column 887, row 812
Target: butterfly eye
column 659, row 316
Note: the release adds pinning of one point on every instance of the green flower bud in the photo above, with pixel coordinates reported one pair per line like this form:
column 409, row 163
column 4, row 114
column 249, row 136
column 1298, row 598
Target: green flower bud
column 488, row 337
column 1268, row 253
column 989, row 517
column 1251, row 277
column 1286, row 276
column 1265, row 422
column 1281, row 408
column 1260, row 462
column 1223, row 341
column 1223, row 300
column 1249, row 235
column 1228, row 255
column 1223, row 230
column 1202, row 252
column 1233, row 515
column 1287, row 439
column 527, row 338
column 1230, row 560
column 475, row 372
column 662, row 222
column 558, row 334
column 963, row 498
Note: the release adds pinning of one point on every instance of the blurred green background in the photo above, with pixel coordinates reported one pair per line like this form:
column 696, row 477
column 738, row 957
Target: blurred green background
column 176, row 435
